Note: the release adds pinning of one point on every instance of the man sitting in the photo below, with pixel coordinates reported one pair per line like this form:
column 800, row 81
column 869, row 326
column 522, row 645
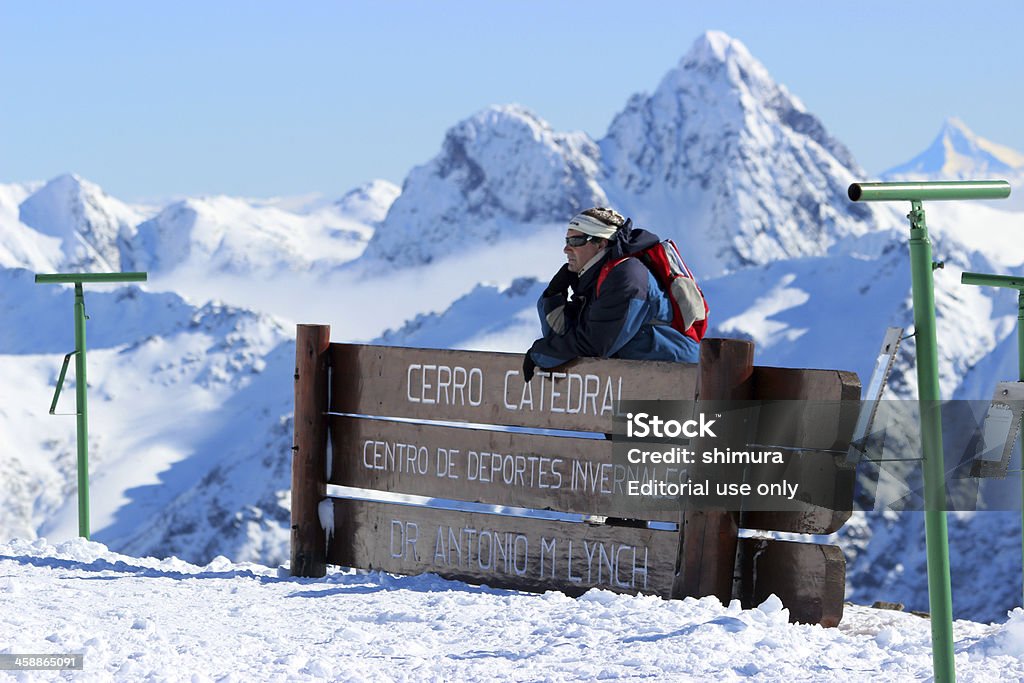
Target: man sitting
column 628, row 316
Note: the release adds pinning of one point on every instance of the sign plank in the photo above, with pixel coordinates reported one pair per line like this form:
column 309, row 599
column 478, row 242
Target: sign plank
column 823, row 487
column 488, row 388
column 492, row 467
column 501, row 551
column 807, row 409
column 799, row 408
column 810, row 579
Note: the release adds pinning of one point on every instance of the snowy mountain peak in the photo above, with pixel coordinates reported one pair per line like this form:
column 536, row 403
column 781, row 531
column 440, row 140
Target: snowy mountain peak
column 369, row 203
column 957, row 153
column 88, row 222
column 230, row 236
column 226, row 234
column 503, row 166
column 730, row 164
column 715, row 45
column 715, row 49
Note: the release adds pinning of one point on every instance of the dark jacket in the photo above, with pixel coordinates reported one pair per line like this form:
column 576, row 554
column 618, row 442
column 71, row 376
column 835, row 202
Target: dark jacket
column 629, row 319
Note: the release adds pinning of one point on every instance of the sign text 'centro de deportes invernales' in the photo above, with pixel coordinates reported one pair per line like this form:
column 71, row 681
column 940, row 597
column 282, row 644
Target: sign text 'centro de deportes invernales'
column 655, row 462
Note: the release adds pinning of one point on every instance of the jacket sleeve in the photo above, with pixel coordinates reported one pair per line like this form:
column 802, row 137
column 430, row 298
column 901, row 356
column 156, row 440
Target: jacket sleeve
column 551, row 310
column 606, row 324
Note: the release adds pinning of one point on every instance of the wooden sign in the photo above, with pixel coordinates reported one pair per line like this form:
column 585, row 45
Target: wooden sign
column 461, row 427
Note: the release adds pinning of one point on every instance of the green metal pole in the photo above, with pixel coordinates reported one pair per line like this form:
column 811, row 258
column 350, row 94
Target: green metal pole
column 81, row 383
column 1020, row 377
column 82, row 411
column 1020, row 344
column 936, row 534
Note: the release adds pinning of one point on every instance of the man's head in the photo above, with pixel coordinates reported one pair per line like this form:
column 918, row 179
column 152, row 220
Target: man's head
column 588, row 233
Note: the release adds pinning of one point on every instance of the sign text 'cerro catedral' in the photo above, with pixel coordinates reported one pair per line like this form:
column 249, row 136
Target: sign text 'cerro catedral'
column 555, row 392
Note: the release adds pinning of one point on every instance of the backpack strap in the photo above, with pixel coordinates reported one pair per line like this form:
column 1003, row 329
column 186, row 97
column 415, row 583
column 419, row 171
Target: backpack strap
column 605, row 269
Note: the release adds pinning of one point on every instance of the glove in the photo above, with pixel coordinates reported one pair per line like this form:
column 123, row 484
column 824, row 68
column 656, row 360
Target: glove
column 528, row 367
column 562, row 281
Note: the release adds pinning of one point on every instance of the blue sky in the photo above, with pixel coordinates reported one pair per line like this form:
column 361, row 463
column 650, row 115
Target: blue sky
column 154, row 100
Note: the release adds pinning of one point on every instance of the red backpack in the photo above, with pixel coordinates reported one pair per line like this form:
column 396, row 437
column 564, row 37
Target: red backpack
column 689, row 307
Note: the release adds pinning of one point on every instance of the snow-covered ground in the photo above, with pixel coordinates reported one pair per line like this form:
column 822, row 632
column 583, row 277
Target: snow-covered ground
column 167, row 620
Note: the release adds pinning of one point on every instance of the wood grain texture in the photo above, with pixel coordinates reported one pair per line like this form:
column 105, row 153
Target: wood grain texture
column 308, row 552
column 707, row 547
column 810, row 579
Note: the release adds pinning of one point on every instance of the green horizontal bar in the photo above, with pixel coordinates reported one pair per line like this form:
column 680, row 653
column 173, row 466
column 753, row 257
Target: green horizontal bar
column 1012, row 281
column 929, row 191
column 74, row 278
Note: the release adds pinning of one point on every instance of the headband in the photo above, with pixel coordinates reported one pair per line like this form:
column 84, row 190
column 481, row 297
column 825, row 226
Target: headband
column 591, row 226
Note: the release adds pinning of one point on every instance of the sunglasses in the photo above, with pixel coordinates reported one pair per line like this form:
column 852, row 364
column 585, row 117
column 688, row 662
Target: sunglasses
column 578, row 240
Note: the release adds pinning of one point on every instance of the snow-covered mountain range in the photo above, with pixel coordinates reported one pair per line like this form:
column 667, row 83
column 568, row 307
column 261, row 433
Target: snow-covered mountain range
column 720, row 158
column 190, row 375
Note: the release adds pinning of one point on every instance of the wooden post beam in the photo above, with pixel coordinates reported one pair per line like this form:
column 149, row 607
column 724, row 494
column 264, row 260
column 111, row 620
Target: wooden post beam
column 707, row 547
column 309, row 452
